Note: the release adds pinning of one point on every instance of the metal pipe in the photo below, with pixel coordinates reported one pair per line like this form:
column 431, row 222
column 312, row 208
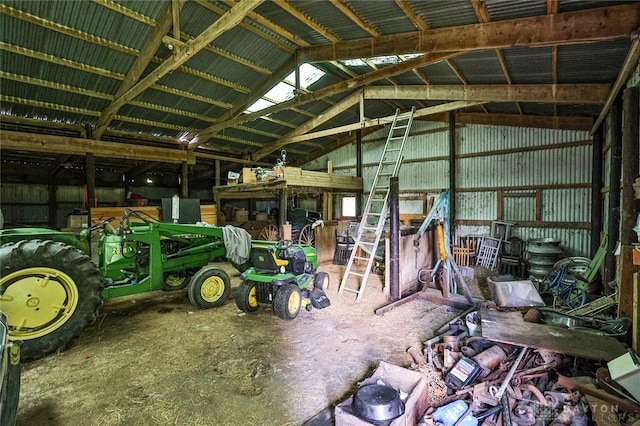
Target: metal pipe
column 394, row 240
column 510, row 374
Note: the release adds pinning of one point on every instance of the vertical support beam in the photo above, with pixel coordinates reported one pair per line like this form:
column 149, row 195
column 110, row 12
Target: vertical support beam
column 499, row 204
column 539, row 206
column 283, row 207
column 359, row 169
column 90, row 162
column 184, row 181
column 628, row 210
column 615, row 120
column 452, row 170
column 394, row 239
column 53, row 206
column 362, row 116
column 630, row 155
column 596, row 186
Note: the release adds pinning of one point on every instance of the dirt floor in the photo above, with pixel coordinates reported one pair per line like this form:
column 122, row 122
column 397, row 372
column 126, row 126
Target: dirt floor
column 154, row 359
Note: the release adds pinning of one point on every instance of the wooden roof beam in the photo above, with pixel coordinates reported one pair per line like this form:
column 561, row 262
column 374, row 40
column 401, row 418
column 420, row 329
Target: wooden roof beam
column 581, row 26
column 517, row 120
column 377, row 122
column 33, row 142
column 546, row 93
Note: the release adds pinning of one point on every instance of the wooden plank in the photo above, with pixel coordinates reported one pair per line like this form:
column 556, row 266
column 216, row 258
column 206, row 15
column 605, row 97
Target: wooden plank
column 510, row 327
column 563, row 28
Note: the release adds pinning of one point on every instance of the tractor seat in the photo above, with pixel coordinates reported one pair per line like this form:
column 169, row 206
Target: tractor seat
column 265, row 259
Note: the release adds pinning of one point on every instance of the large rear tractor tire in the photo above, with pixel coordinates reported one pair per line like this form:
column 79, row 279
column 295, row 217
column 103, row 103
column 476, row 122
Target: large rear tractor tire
column 287, row 301
column 247, row 297
column 209, row 287
column 50, row 292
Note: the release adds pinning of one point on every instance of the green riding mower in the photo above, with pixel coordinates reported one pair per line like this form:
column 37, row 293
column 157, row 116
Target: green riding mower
column 283, row 275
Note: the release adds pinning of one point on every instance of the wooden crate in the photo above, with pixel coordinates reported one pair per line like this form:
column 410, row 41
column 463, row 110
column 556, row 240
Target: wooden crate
column 248, row 175
column 209, row 214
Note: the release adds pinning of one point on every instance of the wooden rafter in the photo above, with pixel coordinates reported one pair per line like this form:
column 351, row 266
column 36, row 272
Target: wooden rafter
column 630, row 62
column 544, row 93
column 597, row 24
column 326, row 115
column 302, row 17
column 340, row 87
column 553, row 6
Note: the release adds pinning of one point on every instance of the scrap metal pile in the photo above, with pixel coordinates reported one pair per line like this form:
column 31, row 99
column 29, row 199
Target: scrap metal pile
column 475, row 378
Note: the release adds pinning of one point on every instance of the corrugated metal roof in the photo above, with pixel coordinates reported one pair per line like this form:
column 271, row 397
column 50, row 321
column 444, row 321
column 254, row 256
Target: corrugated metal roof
column 385, row 16
column 443, row 13
column 500, row 10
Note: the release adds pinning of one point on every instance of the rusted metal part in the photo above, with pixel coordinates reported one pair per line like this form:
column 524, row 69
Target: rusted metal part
column 535, row 391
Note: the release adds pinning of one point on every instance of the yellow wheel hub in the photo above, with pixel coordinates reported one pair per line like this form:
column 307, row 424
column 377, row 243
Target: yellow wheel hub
column 37, row 301
column 294, row 302
column 174, row 280
column 212, row 289
column 253, row 297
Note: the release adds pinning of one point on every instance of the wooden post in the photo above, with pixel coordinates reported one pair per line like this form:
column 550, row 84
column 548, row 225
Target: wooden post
column 359, row 169
column 184, row 182
column 613, row 226
column 596, row 195
column 90, row 163
column 635, row 336
column 628, row 210
column 452, row 170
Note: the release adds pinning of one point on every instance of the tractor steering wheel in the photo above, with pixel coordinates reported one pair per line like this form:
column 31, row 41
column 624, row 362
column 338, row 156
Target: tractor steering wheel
column 283, row 244
column 104, row 224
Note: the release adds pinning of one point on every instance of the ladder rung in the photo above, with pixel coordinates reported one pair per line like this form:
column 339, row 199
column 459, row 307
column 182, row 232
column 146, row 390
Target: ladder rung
column 374, row 214
column 388, row 163
column 366, row 243
column 361, row 258
column 401, row 127
column 393, row 149
column 356, row 273
column 352, row 290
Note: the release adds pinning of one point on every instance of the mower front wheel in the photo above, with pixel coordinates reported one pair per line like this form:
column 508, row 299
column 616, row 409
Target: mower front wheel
column 247, row 297
column 321, row 281
column 287, row 301
column 210, row 287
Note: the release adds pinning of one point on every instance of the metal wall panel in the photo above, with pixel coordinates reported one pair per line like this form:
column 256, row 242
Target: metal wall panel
column 20, row 193
column 492, row 158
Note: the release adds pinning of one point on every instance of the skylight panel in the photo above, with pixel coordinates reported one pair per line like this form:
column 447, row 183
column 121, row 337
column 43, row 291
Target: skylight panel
column 284, row 90
column 354, row 63
column 385, row 60
column 260, row 104
column 281, row 92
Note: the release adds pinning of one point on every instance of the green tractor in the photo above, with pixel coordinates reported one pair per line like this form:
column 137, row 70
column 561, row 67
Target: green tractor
column 283, row 275
column 50, row 289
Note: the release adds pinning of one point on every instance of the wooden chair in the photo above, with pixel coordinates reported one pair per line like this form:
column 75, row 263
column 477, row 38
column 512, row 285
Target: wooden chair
column 465, row 250
column 488, row 252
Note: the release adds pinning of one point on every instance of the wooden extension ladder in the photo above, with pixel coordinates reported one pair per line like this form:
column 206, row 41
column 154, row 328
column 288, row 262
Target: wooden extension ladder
column 375, row 212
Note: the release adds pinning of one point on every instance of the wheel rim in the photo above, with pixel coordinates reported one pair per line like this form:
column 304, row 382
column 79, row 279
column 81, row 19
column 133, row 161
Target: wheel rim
column 212, row 289
column 269, row 233
column 294, row 302
column 306, row 236
column 252, row 297
column 174, row 280
column 37, row 301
